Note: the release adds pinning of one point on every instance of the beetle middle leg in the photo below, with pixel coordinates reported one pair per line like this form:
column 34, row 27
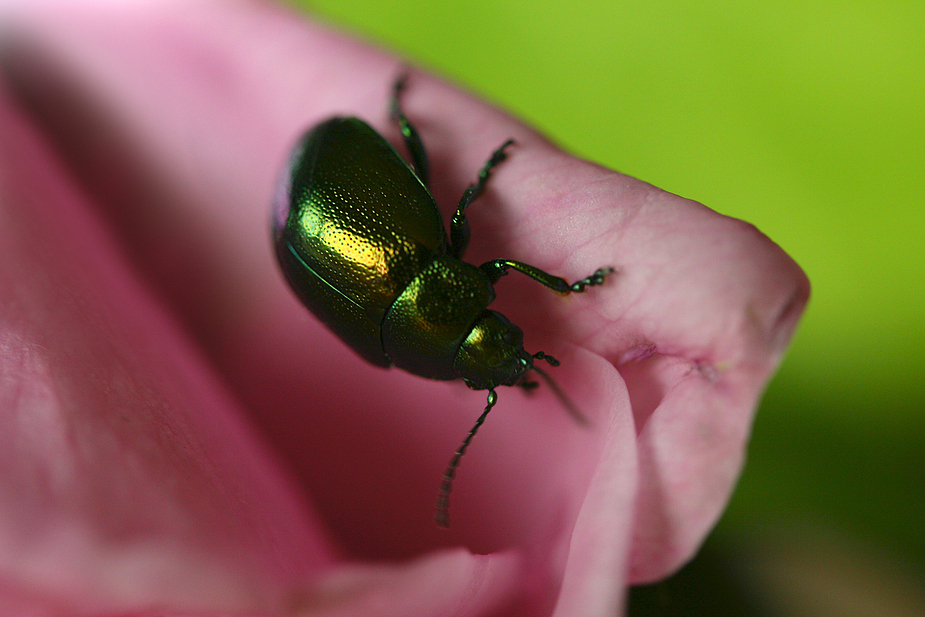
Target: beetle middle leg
column 409, row 133
column 497, row 268
column 459, row 226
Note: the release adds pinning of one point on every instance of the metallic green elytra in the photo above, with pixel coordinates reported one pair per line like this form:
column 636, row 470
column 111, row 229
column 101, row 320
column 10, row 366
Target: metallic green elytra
column 362, row 243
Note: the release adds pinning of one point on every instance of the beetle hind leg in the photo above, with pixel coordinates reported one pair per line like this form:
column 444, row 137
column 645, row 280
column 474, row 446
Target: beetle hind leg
column 409, row 133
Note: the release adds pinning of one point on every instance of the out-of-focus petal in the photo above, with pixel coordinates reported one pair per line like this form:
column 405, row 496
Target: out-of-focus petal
column 127, row 476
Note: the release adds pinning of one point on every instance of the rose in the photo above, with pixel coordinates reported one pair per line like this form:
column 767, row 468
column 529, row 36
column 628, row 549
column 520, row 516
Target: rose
column 167, row 406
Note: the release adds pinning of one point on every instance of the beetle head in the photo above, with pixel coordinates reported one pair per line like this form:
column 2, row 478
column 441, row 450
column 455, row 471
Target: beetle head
column 493, row 353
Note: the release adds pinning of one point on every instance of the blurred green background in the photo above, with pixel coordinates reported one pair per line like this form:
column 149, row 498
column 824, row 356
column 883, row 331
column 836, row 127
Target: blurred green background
column 806, row 118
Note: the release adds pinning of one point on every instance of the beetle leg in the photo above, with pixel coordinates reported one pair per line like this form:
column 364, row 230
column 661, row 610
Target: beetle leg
column 497, row 268
column 412, row 138
column 459, row 226
column 541, row 355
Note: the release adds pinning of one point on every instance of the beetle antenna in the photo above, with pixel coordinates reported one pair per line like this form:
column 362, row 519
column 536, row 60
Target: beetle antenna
column 566, row 402
column 442, row 515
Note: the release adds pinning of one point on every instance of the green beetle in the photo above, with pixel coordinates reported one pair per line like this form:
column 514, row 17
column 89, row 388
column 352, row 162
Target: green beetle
column 361, row 242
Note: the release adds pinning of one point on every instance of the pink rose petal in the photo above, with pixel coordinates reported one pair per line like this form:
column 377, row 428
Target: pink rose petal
column 177, row 117
column 128, row 477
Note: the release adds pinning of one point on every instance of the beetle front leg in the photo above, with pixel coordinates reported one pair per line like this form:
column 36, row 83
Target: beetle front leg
column 412, row 138
column 459, row 226
column 497, row 268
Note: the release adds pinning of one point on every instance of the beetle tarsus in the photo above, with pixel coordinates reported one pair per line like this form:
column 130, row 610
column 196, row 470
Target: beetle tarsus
column 595, row 279
column 540, row 355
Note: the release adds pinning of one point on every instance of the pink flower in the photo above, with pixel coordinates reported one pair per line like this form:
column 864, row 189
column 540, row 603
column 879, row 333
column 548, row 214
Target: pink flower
column 179, row 435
